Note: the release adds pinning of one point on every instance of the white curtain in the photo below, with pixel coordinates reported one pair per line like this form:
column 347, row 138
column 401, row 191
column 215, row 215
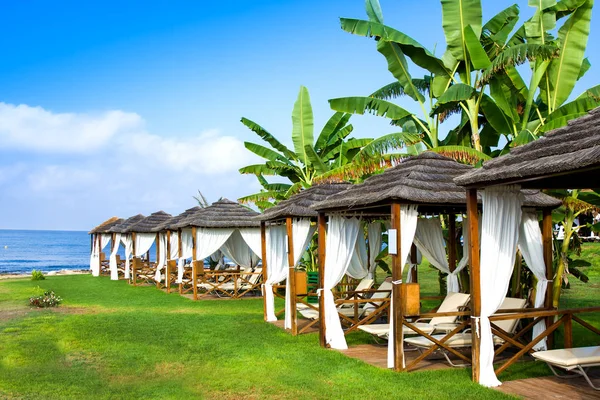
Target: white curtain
column 95, row 259
column 532, row 247
column 339, row 244
column 162, row 256
column 374, row 237
column 187, row 242
column 238, row 251
column 209, row 240
column 429, row 239
column 359, row 263
column 412, row 266
column 128, row 243
column 408, row 226
column 174, row 246
column 143, row 242
column 252, row 238
column 302, row 232
column 114, row 272
column 277, row 266
column 499, row 237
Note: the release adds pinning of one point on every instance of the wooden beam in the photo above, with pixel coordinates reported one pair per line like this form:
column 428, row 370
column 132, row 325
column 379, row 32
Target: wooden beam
column 396, row 311
column 547, row 248
column 291, row 283
column 194, row 267
column 263, row 249
column 474, row 250
column 452, row 241
column 321, row 228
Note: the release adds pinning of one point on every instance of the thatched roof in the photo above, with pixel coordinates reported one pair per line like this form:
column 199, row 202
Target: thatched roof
column 106, row 225
column 147, row 224
column 223, row 214
column 125, row 225
column 568, row 158
column 299, row 204
column 171, row 223
column 426, row 179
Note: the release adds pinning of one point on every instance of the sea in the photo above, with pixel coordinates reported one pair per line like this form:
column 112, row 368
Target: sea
column 22, row 251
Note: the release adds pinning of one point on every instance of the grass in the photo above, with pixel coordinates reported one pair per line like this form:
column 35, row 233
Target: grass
column 111, row 340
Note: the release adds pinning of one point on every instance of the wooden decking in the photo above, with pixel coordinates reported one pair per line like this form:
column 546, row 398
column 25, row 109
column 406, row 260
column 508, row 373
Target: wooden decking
column 377, row 355
column 551, row 387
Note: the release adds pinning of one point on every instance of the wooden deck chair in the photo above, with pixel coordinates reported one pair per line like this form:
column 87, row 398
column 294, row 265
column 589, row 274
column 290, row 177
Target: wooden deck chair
column 363, row 285
column 577, row 360
column 142, row 271
column 104, row 264
column 464, row 339
column 452, row 302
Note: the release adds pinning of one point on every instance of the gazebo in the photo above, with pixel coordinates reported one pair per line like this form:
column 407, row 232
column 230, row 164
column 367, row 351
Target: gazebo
column 289, row 228
column 230, row 227
column 122, row 236
column 567, row 158
column 99, row 238
column 417, row 185
column 171, row 234
column 143, row 237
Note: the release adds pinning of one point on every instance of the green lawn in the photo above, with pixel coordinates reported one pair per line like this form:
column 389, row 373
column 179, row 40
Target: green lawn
column 111, row 340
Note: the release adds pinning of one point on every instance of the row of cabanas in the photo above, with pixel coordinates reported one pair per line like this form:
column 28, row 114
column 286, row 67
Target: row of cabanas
column 499, row 206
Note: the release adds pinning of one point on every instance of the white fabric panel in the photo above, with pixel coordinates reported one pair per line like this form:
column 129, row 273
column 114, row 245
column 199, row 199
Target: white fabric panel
column 277, row 266
column 114, row 273
column 499, row 236
column 411, row 266
column 302, row 232
column 408, row 226
column 174, row 246
column 339, row 244
column 128, row 242
column 252, row 238
column 359, row 263
column 209, row 240
column 143, row 242
column 532, row 247
column 105, row 239
column 237, row 250
column 162, row 256
column 374, row 238
column 186, row 251
column 429, row 239
column 94, row 257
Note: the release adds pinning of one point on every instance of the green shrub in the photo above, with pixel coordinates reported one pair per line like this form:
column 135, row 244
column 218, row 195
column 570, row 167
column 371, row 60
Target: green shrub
column 37, row 275
column 48, row 299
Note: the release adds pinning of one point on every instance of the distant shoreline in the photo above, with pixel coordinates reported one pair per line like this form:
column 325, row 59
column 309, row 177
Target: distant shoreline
column 14, row 275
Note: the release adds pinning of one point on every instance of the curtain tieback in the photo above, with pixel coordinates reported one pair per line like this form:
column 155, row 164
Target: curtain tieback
column 398, row 282
column 319, row 292
column 476, row 322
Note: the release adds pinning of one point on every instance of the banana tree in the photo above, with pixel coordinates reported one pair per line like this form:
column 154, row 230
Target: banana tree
column 331, row 151
column 575, row 203
column 536, row 108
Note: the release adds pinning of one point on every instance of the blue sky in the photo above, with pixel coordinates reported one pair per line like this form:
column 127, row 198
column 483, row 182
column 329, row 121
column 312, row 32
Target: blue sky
column 121, row 107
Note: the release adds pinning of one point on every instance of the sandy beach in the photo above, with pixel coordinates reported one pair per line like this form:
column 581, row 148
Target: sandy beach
column 51, row 273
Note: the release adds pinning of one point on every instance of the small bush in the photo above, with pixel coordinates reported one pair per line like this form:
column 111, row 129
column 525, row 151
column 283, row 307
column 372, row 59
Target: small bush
column 37, row 275
column 48, row 299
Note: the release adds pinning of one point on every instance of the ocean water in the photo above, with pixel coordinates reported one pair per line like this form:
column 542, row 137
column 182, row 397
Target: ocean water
column 23, row 251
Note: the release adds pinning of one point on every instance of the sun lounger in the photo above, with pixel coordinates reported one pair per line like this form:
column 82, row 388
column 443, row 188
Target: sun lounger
column 464, row 339
column 577, row 360
column 452, row 302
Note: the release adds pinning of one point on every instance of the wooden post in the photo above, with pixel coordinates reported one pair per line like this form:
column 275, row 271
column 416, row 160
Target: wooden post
column 396, row 312
column 134, row 252
column 568, row 331
column 473, row 227
column 180, row 254
column 547, row 245
column 321, row 254
column 194, row 268
column 413, row 260
column 291, row 283
column 263, row 247
column 167, row 269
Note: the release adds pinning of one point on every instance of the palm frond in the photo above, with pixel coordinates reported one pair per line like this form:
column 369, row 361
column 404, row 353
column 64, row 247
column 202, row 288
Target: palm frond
column 463, row 154
column 202, row 202
column 385, row 143
column 517, row 55
column 395, row 90
column 269, row 138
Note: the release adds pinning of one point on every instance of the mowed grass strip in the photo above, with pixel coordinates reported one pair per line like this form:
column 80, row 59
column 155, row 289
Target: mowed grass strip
column 111, row 340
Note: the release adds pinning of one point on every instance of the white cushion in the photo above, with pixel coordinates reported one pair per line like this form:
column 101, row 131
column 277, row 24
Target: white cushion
column 570, row 357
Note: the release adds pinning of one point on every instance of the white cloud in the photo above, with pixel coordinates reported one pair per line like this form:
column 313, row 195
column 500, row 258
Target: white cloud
column 85, row 167
column 33, row 128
